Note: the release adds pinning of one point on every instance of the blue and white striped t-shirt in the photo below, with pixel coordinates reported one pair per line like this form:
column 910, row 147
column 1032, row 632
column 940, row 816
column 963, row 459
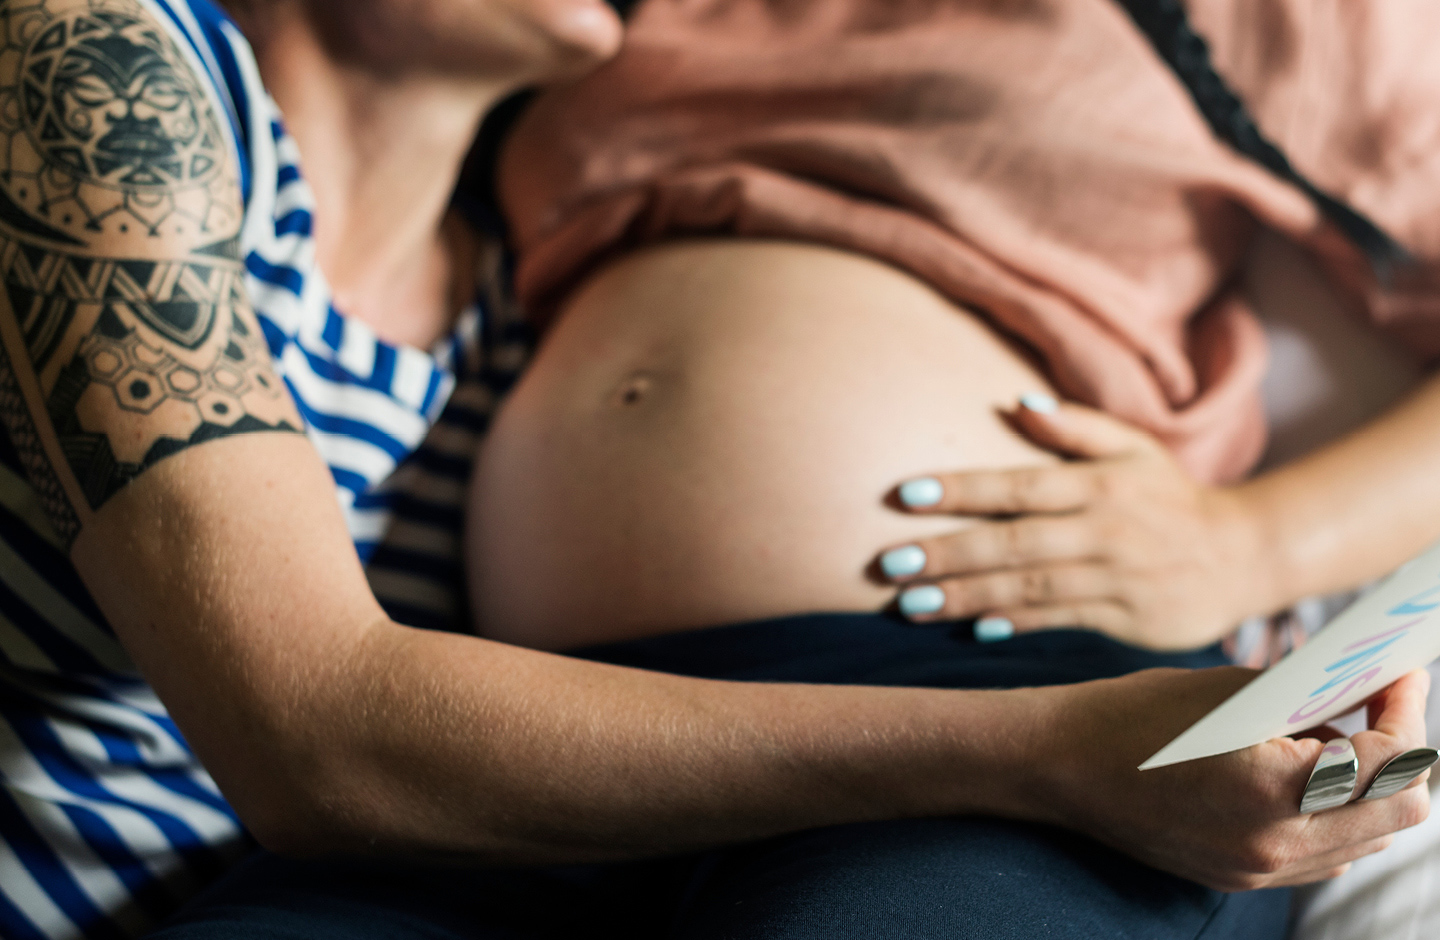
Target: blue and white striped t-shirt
column 107, row 821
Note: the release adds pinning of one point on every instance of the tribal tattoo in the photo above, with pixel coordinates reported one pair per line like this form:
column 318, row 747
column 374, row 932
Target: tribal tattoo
column 128, row 336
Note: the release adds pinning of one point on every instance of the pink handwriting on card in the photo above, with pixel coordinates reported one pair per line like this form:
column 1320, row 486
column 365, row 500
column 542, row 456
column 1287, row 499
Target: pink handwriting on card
column 1388, row 632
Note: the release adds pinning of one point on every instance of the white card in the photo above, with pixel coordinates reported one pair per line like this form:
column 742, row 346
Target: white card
column 1390, row 631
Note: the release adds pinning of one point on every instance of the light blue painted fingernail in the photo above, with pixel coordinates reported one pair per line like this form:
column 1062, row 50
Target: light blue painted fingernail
column 926, row 491
column 993, row 629
column 919, row 601
column 903, row 562
column 1040, row 403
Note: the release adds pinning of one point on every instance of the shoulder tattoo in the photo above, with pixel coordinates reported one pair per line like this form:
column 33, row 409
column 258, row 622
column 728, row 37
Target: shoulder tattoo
column 128, row 336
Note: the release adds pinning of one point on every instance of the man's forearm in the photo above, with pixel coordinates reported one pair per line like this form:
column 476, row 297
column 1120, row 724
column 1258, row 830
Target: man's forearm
column 439, row 744
column 430, row 744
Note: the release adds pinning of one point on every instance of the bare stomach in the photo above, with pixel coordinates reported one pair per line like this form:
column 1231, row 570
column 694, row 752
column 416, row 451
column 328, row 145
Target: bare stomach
column 708, row 435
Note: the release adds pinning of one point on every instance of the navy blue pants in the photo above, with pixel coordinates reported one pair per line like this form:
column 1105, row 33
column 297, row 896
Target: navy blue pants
column 946, row 878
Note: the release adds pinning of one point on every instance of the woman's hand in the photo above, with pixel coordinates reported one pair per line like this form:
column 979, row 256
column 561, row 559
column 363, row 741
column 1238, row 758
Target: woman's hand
column 1117, row 539
column 1230, row 822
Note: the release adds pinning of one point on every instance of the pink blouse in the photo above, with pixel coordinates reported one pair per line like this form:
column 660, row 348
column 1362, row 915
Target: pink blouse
column 1031, row 159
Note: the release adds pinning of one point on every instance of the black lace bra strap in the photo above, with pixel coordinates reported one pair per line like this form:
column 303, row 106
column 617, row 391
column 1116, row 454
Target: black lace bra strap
column 1164, row 22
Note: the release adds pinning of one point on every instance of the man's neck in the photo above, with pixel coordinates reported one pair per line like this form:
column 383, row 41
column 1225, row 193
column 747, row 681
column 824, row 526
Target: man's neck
column 381, row 153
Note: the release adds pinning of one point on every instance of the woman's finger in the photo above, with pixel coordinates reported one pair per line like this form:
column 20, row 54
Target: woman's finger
column 926, row 602
column 1397, row 724
column 1295, row 880
column 1055, row 488
column 1037, row 587
column 1077, row 431
column 1362, row 821
column 1327, row 865
column 994, row 546
column 1094, row 613
column 1399, row 709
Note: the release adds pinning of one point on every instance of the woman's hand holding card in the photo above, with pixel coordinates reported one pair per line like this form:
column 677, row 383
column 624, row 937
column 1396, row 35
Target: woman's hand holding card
column 1231, row 821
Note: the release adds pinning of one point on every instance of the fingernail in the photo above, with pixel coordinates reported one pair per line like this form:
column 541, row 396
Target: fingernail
column 1039, row 402
column 1332, row 782
column 993, row 629
column 903, row 562
column 1397, row 774
column 926, row 491
column 919, row 601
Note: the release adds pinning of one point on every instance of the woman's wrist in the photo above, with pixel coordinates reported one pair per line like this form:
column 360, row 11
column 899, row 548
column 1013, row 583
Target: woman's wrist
column 965, row 752
column 1251, row 534
column 1041, row 748
column 1084, row 734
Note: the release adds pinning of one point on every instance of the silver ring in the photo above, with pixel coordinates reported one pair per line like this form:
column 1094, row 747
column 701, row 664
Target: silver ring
column 1332, row 782
column 1398, row 773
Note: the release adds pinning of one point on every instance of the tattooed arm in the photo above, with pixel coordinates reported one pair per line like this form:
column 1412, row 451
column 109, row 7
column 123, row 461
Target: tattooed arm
column 127, row 337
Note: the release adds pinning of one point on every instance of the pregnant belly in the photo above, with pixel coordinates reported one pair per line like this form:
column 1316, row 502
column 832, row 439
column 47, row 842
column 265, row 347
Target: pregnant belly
column 709, row 432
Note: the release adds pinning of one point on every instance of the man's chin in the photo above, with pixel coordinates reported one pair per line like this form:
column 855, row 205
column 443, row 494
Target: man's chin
column 586, row 33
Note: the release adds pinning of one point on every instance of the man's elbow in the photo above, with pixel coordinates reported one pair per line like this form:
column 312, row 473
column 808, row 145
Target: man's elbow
column 294, row 819
column 336, row 805
column 296, row 797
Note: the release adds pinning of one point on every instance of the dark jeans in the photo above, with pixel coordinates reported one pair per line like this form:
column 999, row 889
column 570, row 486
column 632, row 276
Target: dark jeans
column 951, row 878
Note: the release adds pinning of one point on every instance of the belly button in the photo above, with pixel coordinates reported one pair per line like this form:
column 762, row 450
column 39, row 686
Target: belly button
column 635, row 389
